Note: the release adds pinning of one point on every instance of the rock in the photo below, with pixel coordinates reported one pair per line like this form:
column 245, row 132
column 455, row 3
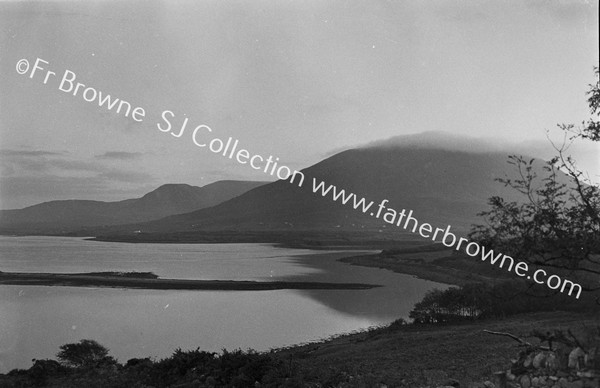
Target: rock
column 574, row 384
column 590, row 357
column 539, row 361
column 510, row 376
column 453, row 383
column 535, row 382
column 489, row 384
column 552, row 361
column 476, row 385
column 528, row 361
column 562, row 382
column 525, row 381
column 574, row 357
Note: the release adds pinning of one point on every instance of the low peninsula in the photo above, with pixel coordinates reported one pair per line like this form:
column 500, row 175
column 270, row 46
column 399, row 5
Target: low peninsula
column 149, row 281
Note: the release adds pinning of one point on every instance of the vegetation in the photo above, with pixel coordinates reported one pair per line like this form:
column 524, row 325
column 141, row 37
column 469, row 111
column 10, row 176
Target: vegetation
column 558, row 225
column 398, row 355
column 85, row 353
column 453, row 304
column 484, row 301
column 87, row 364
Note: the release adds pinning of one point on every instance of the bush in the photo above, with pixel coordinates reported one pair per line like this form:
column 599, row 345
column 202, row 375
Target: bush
column 453, row 304
column 240, row 369
column 182, row 365
column 398, row 323
column 85, row 353
column 480, row 300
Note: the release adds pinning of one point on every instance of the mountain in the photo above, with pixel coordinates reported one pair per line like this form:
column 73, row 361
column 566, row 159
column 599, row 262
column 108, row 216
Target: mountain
column 56, row 217
column 442, row 187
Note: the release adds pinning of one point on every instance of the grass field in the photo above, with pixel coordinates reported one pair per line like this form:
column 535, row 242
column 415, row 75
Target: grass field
column 425, row 355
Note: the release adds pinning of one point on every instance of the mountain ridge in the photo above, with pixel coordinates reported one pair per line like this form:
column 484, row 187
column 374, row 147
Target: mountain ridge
column 445, row 179
column 442, row 187
column 59, row 216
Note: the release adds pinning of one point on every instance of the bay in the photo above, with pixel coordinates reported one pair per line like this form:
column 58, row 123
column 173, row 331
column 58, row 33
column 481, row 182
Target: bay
column 35, row 321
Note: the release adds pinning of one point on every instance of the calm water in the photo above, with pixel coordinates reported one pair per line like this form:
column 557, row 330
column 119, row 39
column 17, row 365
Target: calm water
column 35, row 321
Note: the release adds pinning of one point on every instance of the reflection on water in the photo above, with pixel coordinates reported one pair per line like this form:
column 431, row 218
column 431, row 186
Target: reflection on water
column 182, row 261
column 35, row 321
column 395, row 299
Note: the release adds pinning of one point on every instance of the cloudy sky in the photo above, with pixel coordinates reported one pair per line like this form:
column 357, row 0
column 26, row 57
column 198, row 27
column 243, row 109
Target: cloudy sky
column 293, row 79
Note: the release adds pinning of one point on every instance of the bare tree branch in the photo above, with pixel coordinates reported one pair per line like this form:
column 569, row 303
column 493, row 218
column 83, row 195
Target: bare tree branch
column 519, row 340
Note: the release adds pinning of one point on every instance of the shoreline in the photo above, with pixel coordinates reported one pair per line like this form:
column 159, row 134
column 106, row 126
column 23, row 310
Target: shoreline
column 362, row 254
column 95, row 280
column 434, row 273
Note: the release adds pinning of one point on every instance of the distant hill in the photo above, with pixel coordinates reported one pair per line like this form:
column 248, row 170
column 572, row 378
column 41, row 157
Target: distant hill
column 57, row 217
column 442, row 187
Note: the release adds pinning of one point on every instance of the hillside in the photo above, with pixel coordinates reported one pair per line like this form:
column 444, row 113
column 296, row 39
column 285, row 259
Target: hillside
column 442, row 187
column 57, row 217
column 410, row 356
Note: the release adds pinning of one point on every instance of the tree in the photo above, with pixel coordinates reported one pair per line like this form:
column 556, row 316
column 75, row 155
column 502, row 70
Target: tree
column 558, row 224
column 83, row 354
column 469, row 301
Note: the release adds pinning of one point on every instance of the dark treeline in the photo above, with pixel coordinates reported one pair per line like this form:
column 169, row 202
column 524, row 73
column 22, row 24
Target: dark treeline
column 503, row 299
column 87, row 364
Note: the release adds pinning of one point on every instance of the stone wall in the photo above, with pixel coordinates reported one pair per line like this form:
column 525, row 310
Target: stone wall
column 562, row 367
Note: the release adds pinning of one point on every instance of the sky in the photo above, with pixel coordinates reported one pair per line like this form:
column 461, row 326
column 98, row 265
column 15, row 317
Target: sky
column 298, row 80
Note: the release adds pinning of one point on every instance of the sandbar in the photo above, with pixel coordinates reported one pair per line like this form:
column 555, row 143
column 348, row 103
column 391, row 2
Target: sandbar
column 116, row 280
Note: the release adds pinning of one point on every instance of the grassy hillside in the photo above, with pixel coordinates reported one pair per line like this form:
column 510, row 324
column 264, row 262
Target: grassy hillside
column 395, row 356
column 424, row 355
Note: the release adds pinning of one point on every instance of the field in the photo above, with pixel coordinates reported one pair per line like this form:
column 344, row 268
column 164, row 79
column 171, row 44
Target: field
column 420, row 355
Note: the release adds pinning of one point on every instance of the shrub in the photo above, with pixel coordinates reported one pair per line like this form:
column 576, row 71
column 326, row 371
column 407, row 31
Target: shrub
column 85, row 353
column 480, row 300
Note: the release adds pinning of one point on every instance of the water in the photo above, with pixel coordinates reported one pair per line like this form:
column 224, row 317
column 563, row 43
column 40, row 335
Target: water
column 35, row 321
